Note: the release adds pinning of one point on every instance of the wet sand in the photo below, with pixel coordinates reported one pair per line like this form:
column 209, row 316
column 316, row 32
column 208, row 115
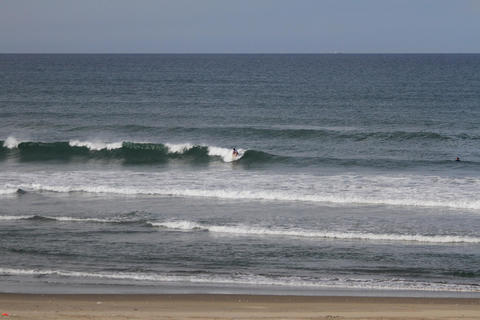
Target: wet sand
column 206, row 306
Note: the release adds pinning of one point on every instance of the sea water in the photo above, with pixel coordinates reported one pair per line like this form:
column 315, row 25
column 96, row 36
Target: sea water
column 117, row 174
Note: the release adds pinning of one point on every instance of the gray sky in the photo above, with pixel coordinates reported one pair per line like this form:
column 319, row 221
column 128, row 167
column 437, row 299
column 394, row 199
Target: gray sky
column 241, row 26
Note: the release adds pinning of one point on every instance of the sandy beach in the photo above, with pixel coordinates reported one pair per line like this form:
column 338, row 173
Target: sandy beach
column 186, row 306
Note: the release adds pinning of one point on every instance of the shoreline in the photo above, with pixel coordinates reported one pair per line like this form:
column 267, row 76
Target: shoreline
column 231, row 306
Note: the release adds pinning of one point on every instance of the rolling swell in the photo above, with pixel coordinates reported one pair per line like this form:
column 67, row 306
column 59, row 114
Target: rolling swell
column 127, row 152
column 285, row 132
column 158, row 153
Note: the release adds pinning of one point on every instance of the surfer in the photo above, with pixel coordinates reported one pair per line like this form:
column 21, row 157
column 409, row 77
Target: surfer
column 234, row 152
column 458, row 159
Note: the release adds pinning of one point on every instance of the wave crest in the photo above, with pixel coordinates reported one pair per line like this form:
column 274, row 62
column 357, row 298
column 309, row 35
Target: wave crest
column 302, row 233
column 95, row 146
column 258, row 231
column 129, row 152
column 10, row 143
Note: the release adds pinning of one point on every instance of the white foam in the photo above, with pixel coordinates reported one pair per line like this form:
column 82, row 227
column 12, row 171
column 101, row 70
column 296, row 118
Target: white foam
column 261, row 231
column 73, row 219
column 8, row 190
column 254, row 280
column 186, row 225
column 343, row 189
column 344, row 199
column 11, row 143
column 225, row 154
column 96, row 145
column 10, row 218
column 178, row 148
column 178, row 225
column 62, row 219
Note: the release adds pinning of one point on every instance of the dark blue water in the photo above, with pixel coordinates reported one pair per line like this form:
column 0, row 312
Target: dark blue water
column 117, row 173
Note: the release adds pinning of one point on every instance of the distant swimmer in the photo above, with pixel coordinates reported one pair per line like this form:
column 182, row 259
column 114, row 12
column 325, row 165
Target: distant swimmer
column 234, row 152
column 458, row 159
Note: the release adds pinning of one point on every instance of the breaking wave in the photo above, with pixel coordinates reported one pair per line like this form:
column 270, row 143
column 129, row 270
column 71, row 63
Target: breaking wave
column 129, row 152
column 68, row 219
column 152, row 153
column 11, row 218
column 8, row 191
column 301, row 233
column 255, row 231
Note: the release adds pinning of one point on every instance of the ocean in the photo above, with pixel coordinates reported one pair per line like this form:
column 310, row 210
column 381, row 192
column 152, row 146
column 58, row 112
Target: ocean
column 117, row 174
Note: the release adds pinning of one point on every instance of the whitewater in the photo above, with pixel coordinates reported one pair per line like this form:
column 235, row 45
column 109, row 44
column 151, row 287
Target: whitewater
column 367, row 189
column 117, row 174
column 249, row 230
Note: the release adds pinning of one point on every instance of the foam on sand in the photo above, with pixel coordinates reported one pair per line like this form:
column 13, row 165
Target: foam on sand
column 247, row 280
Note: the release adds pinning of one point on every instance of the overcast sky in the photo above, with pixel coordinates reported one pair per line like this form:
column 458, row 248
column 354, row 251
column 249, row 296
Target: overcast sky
column 241, row 26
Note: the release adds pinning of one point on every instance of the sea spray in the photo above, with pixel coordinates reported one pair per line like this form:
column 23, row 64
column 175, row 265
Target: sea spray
column 11, row 143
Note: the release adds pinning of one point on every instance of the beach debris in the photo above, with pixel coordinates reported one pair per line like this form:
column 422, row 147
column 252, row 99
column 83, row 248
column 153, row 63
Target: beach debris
column 5, row 314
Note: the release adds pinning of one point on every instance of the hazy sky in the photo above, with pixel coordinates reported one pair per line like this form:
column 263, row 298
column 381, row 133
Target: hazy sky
column 241, row 26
